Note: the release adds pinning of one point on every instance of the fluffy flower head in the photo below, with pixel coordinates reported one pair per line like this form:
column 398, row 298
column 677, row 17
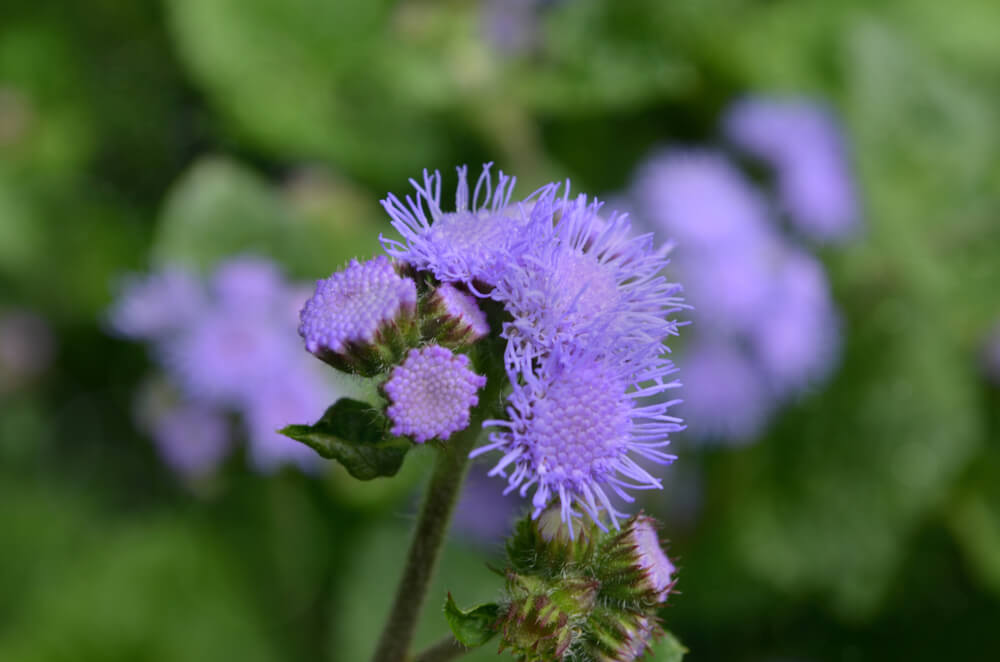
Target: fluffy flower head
column 352, row 305
column 467, row 245
column 576, row 279
column 574, row 423
column 431, row 393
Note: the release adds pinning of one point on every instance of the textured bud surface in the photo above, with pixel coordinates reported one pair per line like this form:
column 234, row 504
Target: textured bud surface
column 351, row 305
column 463, row 308
column 431, row 393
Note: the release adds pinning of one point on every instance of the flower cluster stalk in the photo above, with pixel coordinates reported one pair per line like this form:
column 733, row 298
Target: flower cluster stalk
column 450, row 468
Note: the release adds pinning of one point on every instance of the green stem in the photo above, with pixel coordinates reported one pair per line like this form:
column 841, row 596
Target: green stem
column 446, row 484
column 443, row 651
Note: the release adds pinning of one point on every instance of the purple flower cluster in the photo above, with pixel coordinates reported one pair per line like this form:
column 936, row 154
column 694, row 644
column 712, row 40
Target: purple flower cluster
column 589, row 310
column 768, row 327
column 225, row 346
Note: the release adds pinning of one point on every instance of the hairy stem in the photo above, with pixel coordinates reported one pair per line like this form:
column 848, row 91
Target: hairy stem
column 445, row 486
column 443, row 651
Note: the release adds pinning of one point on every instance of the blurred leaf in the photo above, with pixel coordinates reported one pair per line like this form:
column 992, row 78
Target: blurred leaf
column 304, row 79
column 219, row 208
column 472, row 627
column 355, row 434
column 666, row 649
column 157, row 591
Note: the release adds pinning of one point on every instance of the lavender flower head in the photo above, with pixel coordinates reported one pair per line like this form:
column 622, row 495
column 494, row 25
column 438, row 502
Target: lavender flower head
column 431, row 394
column 585, row 280
column 802, row 141
column 574, row 423
column 352, row 306
column 463, row 246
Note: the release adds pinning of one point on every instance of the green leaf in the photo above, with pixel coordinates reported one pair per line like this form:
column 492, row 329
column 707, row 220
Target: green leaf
column 667, row 649
column 354, row 433
column 472, row 627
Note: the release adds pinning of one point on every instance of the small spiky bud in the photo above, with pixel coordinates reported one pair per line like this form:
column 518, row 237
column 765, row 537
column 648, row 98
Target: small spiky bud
column 592, row 597
column 452, row 317
column 362, row 319
column 545, row 618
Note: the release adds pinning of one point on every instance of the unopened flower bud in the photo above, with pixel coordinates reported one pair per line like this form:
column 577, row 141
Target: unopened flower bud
column 593, row 596
column 453, row 317
column 431, row 393
column 363, row 318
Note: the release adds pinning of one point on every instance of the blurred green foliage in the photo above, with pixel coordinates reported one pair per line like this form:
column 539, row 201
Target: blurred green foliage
column 864, row 526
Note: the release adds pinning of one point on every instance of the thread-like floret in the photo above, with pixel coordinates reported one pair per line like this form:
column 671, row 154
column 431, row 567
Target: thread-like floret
column 574, row 423
column 467, row 245
column 578, row 279
column 431, row 393
column 352, row 305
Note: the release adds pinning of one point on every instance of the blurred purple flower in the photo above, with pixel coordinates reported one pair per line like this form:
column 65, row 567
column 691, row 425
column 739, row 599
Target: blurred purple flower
column 725, row 396
column 158, row 304
column 797, row 336
column 192, row 439
column 802, row 140
column 700, row 200
column 225, row 358
column 234, row 350
column 288, row 398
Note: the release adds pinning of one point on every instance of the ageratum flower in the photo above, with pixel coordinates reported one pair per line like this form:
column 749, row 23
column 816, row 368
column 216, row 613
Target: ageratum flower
column 355, row 316
column 431, row 394
column 802, row 141
column 575, row 421
column 465, row 246
column 577, row 279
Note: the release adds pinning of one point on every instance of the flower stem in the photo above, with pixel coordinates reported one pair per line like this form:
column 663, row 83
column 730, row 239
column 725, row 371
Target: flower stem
column 443, row 651
column 446, row 483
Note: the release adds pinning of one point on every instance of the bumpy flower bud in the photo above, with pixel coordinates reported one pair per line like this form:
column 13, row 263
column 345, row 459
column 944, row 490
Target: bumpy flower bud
column 453, row 317
column 363, row 318
column 431, row 393
column 590, row 597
